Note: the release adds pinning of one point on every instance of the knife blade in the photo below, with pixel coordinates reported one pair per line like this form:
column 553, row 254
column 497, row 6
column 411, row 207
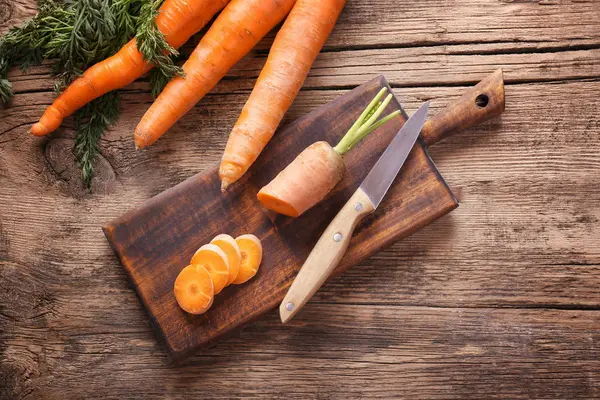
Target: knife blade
column 334, row 241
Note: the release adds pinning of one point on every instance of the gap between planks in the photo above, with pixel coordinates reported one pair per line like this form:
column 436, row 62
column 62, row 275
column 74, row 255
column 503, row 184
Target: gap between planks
column 247, row 70
column 507, row 82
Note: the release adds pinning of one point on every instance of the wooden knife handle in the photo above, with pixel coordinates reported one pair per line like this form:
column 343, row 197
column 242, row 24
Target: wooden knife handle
column 478, row 104
column 326, row 254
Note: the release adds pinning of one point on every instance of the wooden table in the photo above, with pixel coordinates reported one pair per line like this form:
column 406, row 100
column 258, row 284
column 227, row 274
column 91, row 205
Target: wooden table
column 499, row 299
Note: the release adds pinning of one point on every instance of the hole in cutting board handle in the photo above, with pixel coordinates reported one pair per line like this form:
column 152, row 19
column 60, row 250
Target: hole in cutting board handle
column 482, row 100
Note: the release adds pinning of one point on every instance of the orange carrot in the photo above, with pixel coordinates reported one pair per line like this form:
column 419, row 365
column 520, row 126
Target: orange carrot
column 296, row 47
column 178, row 20
column 316, row 170
column 251, row 251
column 234, row 33
column 194, row 290
column 232, row 250
column 215, row 261
column 305, row 182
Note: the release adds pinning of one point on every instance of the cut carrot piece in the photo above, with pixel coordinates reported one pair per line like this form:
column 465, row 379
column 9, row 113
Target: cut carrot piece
column 305, row 182
column 274, row 203
column 194, row 290
column 232, row 250
column 251, row 251
column 317, row 169
column 214, row 259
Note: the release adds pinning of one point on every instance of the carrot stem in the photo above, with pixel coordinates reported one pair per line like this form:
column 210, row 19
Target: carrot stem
column 366, row 122
column 367, row 111
column 382, row 121
column 361, row 133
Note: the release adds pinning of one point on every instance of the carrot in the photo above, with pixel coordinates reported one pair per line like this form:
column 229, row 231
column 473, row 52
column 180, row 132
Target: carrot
column 234, row 33
column 178, row 20
column 232, row 250
column 251, row 251
column 318, row 165
column 317, row 169
column 294, row 50
column 215, row 261
column 194, row 289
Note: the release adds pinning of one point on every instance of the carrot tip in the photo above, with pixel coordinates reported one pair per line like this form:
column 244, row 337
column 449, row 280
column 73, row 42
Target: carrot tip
column 139, row 143
column 224, row 186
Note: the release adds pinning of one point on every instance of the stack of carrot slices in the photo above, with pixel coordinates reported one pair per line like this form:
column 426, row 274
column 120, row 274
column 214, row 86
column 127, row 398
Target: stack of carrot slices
column 213, row 267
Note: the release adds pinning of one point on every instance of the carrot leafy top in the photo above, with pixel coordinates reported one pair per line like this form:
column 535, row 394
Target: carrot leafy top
column 75, row 34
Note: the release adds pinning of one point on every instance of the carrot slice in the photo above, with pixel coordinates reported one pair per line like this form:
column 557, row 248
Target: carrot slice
column 214, row 259
column 194, row 290
column 232, row 250
column 251, row 251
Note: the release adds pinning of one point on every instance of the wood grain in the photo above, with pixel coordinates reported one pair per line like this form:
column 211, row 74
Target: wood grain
column 374, row 23
column 497, row 300
column 405, row 67
column 438, row 353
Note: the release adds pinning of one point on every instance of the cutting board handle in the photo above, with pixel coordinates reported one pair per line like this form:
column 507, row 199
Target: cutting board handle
column 478, row 104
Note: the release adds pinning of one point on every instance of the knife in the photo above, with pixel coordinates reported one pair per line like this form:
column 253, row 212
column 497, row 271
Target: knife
column 333, row 243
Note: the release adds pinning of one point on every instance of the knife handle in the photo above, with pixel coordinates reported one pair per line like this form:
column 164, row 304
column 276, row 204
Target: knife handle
column 478, row 104
column 326, row 254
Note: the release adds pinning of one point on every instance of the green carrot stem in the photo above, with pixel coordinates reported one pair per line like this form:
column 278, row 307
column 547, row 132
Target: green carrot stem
column 345, row 142
column 364, row 115
column 382, row 121
column 366, row 122
column 360, row 134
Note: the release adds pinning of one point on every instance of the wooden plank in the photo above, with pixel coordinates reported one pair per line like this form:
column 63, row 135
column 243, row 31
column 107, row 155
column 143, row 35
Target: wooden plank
column 369, row 23
column 14, row 12
column 410, row 67
column 430, row 21
column 454, row 65
column 64, row 336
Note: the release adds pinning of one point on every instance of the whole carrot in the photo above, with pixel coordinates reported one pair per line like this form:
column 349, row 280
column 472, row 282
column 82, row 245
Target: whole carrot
column 178, row 20
column 295, row 49
column 234, row 33
column 317, row 169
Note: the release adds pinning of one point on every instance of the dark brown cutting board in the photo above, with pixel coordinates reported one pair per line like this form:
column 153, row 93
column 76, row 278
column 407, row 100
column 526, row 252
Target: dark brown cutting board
column 156, row 241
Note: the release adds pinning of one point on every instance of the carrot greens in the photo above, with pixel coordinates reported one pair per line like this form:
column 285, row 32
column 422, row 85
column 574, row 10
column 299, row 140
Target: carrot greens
column 154, row 47
column 72, row 35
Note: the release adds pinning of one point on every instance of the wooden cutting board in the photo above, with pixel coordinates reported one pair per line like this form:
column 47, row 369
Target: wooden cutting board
column 156, row 241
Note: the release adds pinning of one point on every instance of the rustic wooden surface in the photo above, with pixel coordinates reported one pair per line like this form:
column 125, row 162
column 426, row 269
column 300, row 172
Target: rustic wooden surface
column 157, row 240
column 499, row 299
